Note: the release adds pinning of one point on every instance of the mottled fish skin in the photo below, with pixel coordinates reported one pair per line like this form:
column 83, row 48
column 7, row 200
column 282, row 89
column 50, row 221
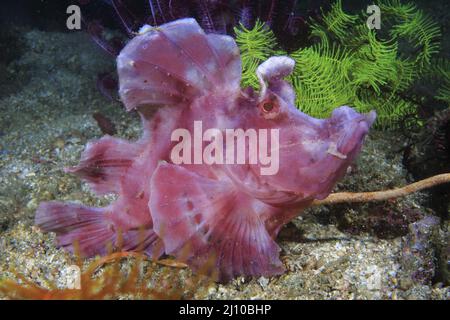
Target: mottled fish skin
column 176, row 74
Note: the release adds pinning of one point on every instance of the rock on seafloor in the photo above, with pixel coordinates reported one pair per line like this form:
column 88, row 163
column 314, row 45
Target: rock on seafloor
column 332, row 252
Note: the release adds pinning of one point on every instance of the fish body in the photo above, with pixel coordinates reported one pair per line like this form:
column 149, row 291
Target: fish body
column 217, row 203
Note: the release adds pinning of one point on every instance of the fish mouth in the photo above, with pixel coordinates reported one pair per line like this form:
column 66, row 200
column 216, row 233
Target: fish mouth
column 353, row 128
column 370, row 117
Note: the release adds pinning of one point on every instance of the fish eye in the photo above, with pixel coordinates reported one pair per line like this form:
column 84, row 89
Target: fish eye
column 269, row 107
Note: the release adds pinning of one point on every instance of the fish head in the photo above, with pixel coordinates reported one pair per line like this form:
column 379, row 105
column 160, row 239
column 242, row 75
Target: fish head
column 304, row 156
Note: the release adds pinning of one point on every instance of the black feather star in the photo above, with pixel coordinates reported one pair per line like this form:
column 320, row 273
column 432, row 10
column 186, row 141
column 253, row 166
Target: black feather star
column 287, row 19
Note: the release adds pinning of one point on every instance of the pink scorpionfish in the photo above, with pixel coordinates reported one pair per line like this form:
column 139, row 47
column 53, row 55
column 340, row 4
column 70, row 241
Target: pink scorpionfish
column 181, row 81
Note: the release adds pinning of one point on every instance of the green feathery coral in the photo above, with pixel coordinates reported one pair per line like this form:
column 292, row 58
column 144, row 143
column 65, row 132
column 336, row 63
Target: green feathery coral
column 412, row 24
column 336, row 22
column 374, row 62
column 256, row 45
column 352, row 65
column 321, row 78
column 440, row 72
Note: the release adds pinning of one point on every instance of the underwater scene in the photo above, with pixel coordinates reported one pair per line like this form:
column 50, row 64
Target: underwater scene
column 225, row 150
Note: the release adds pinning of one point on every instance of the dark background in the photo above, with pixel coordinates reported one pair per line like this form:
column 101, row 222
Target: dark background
column 51, row 14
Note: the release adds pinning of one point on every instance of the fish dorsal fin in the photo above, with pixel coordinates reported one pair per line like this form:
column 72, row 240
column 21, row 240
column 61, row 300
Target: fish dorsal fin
column 174, row 63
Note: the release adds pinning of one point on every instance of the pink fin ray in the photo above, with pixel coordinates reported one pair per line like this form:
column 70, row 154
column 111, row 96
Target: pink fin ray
column 72, row 223
column 143, row 240
column 202, row 218
column 174, row 63
column 92, row 229
column 104, row 162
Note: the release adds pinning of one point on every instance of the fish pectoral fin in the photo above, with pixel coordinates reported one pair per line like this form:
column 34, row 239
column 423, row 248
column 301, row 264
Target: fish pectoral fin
column 104, row 162
column 90, row 231
column 211, row 225
column 88, row 228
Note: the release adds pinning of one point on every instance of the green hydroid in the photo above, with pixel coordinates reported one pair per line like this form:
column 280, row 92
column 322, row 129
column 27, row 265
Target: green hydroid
column 349, row 64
